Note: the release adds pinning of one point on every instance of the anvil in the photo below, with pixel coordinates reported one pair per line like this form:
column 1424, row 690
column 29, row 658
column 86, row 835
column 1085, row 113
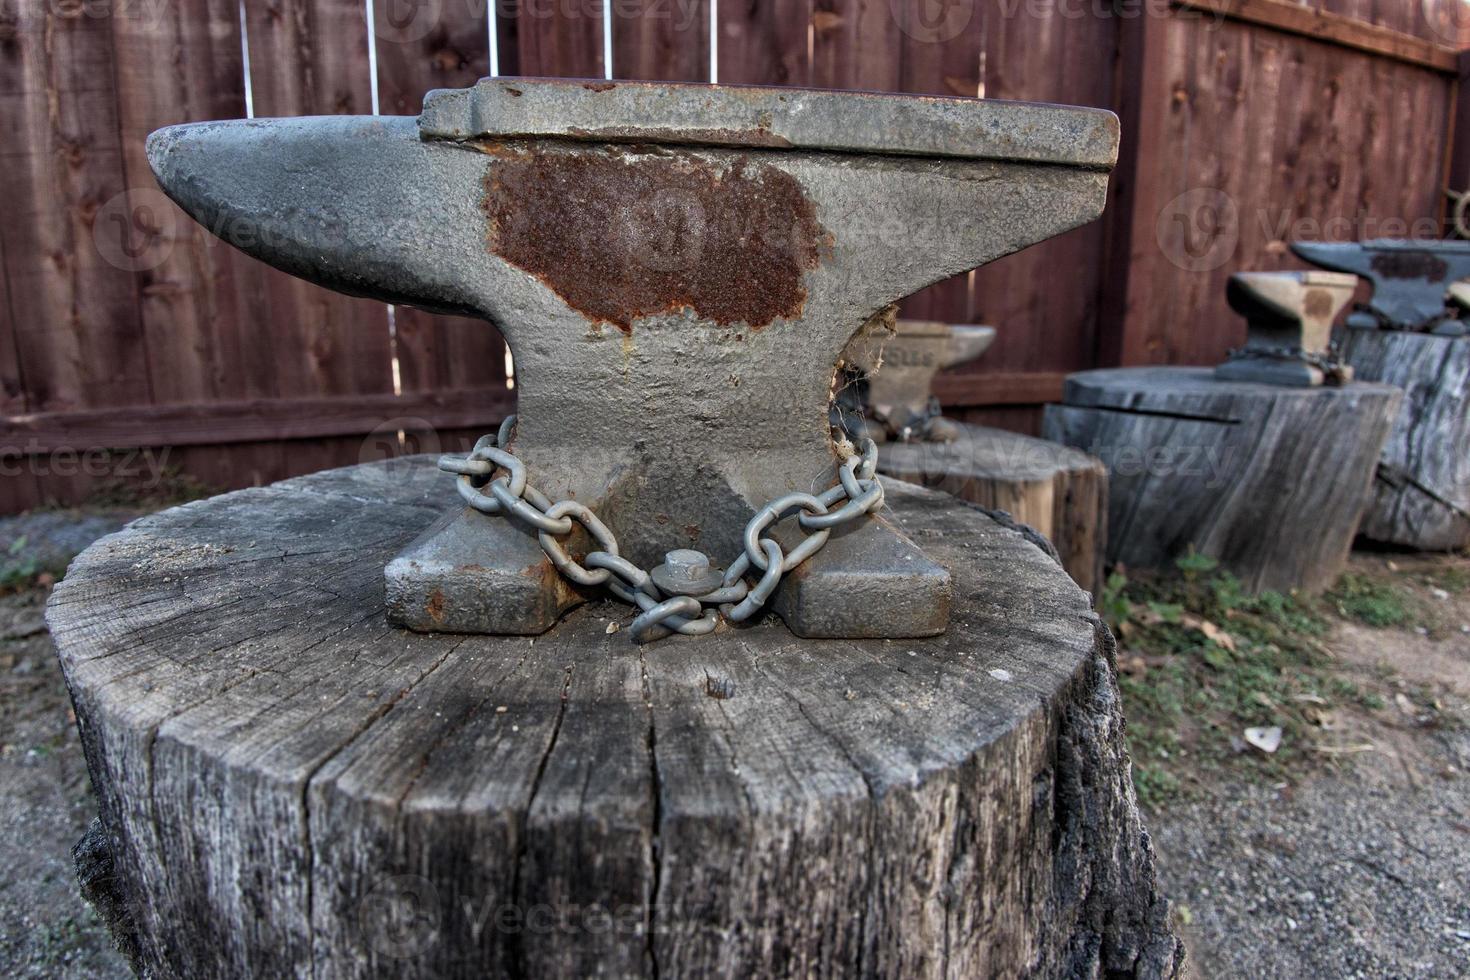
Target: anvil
column 676, row 269
column 1289, row 318
column 898, row 368
column 1410, row 278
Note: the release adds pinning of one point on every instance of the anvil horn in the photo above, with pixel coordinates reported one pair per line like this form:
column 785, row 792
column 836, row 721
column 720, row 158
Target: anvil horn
column 967, row 342
column 353, row 203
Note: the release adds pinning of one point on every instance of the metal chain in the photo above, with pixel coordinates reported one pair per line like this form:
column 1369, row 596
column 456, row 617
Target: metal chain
column 510, row 494
column 1330, row 364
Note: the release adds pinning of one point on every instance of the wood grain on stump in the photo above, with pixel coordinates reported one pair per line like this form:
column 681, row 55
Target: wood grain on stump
column 1057, row 490
column 290, row 786
column 1421, row 498
column 1269, row 480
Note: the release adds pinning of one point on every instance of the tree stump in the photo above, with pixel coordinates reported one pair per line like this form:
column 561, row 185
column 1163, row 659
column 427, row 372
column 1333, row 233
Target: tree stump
column 289, row 785
column 1421, row 498
column 1059, row 491
column 1269, row 480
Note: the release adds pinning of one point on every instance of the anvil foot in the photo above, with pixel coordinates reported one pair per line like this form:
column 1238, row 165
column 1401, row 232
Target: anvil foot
column 869, row 582
column 472, row 574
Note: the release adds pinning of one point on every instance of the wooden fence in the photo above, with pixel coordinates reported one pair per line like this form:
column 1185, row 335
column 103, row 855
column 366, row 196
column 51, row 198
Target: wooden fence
column 1245, row 122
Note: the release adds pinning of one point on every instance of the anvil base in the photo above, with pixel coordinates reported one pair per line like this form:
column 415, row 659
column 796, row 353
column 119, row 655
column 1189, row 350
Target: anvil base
column 469, row 573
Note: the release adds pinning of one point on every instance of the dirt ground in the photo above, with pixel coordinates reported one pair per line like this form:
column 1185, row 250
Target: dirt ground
column 1354, row 865
column 1360, row 865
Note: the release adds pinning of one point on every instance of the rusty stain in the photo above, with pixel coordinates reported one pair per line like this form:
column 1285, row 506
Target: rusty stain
column 1317, row 302
column 623, row 236
column 692, row 531
column 1410, row 265
column 435, row 607
column 599, row 86
column 515, row 92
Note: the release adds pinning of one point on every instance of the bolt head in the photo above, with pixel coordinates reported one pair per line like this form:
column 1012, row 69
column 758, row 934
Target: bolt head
column 686, row 564
column 686, row 571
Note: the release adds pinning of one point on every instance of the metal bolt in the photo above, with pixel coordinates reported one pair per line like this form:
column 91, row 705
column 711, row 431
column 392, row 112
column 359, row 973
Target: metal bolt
column 686, row 571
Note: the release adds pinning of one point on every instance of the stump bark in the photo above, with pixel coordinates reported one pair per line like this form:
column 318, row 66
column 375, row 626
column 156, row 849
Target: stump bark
column 1421, row 497
column 291, row 786
column 1269, row 480
column 1060, row 491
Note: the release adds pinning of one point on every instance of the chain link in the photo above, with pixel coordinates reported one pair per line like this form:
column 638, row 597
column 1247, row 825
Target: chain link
column 493, row 481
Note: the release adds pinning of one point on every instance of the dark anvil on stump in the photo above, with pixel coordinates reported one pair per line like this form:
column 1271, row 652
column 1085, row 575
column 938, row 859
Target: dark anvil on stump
column 1412, row 334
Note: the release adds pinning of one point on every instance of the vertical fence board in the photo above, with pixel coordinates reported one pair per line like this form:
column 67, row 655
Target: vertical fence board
column 310, row 57
column 661, row 40
column 856, row 44
column 418, row 52
column 561, row 38
column 1041, row 327
column 77, row 330
column 764, row 42
column 182, row 63
column 940, row 51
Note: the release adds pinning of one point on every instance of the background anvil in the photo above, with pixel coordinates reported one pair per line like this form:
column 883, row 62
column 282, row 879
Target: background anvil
column 898, row 366
column 1411, row 279
column 676, row 269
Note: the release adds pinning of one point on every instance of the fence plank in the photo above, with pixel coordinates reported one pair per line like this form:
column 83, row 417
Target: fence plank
column 309, row 57
column 856, row 44
column 557, row 39
column 764, row 42
column 77, row 332
column 941, row 49
column 422, row 47
column 661, row 40
column 1040, row 326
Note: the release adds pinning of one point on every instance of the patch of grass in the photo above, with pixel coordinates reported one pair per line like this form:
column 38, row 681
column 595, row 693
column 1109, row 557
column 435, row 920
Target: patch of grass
column 1371, row 601
column 1201, row 661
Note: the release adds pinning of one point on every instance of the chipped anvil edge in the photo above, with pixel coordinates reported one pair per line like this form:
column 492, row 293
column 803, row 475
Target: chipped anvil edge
column 773, row 118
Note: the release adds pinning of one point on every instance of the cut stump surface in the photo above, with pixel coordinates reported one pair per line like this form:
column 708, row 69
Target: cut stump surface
column 290, row 786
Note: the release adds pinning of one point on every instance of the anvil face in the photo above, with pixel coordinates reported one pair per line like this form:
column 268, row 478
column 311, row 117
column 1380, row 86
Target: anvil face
column 899, row 368
column 676, row 269
column 1410, row 279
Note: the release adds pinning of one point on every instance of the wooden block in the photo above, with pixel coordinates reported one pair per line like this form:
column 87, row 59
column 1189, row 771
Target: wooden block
column 1421, row 498
column 1058, row 490
column 1269, row 480
column 289, row 785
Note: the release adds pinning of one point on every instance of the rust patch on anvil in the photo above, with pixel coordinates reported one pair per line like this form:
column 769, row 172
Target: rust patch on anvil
column 1317, row 302
column 621, row 236
column 1410, row 265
